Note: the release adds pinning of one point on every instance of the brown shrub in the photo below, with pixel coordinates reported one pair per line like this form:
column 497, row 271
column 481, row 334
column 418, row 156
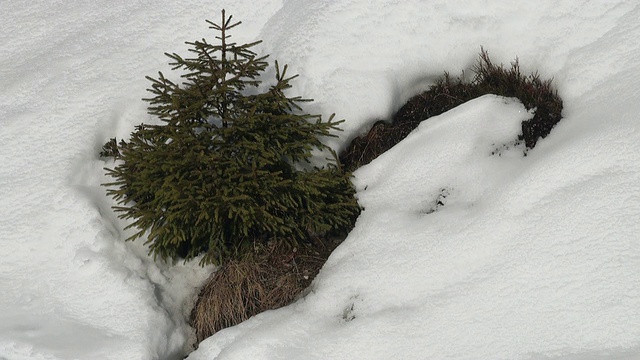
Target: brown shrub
column 271, row 276
column 448, row 93
column 382, row 137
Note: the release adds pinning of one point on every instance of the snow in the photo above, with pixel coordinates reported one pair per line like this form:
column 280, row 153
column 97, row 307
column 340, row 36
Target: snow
column 459, row 254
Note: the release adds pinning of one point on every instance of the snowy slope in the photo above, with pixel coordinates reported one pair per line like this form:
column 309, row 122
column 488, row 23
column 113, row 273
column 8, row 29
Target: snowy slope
column 72, row 76
column 529, row 257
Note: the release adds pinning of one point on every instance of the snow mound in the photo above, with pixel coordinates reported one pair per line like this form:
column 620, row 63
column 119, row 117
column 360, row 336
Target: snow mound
column 467, row 249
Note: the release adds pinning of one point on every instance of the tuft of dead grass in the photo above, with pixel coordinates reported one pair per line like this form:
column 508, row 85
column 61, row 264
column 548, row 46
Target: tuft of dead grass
column 449, row 92
column 272, row 276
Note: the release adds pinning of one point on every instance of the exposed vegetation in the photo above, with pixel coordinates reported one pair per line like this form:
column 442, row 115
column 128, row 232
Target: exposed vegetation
column 268, row 278
column 223, row 171
column 448, row 93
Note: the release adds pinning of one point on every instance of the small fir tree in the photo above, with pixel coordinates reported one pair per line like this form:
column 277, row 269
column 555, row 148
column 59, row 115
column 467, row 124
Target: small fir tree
column 221, row 171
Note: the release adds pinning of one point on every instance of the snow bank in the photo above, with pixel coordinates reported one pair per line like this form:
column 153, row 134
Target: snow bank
column 461, row 254
column 363, row 60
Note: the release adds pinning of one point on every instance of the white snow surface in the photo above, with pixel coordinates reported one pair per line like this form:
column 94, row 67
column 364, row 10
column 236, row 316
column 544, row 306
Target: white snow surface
column 466, row 248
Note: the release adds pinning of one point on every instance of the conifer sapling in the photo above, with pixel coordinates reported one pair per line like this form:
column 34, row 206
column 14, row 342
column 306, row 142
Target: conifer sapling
column 219, row 172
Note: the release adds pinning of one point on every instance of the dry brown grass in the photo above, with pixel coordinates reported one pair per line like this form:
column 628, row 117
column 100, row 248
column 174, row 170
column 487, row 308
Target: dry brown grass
column 271, row 276
column 449, row 92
